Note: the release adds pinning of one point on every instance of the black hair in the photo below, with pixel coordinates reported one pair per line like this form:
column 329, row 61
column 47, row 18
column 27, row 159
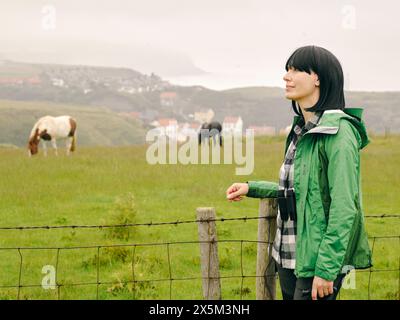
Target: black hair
column 330, row 74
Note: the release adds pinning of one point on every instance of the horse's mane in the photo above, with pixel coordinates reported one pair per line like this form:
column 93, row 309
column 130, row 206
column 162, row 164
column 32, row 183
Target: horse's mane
column 33, row 136
column 34, row 132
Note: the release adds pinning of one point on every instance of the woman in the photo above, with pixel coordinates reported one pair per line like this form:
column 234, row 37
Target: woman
column 320, row 220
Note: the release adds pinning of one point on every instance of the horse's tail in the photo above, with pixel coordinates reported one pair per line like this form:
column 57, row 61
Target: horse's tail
column 73, row 134
column 73, row 143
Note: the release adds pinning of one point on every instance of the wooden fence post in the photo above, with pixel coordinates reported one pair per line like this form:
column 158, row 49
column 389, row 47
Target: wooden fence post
column 209, row 254
column 265, row 281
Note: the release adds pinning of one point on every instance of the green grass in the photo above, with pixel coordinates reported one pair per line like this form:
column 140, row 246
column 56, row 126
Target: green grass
column 105, row 185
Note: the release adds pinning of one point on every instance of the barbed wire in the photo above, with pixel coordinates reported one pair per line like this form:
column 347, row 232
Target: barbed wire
column 133, row 244
column 151, row 223
column 148, row 224
column 383, row 215
column 134, row 281
column 170, row 278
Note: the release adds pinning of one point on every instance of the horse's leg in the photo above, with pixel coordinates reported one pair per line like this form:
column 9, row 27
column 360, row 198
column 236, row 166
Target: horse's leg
column 213, row 134
column 54, row 144
column 69, row 144
column 203, row 135
column 44, row 143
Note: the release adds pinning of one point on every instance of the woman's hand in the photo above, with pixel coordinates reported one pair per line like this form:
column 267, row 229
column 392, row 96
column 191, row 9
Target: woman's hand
column 321, row 287
column 236, row 191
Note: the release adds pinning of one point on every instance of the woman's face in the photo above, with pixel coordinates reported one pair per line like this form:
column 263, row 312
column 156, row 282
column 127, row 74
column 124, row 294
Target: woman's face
column 300, row 84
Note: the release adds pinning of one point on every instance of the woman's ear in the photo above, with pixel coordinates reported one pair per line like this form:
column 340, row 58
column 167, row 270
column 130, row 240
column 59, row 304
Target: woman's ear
column 316, row 79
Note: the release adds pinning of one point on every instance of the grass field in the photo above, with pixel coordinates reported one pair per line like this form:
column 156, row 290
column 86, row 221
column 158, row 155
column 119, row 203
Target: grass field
column 107, row 185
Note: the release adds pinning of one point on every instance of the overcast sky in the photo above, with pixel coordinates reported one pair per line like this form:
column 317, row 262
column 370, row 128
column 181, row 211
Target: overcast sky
column 217, row 43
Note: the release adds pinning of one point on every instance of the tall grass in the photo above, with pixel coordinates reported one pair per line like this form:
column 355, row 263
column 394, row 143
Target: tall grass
column 111, row 185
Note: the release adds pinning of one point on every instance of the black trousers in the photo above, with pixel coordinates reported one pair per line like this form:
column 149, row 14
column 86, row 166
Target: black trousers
column 294, row 288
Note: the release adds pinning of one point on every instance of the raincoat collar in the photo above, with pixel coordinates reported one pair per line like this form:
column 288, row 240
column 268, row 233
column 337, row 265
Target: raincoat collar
column 329, row 123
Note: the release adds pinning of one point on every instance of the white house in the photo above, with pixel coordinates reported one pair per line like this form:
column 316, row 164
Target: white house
column 167, row 126
column 58, row 82
column 168, row 98
column 130, row 90
column 233, row 125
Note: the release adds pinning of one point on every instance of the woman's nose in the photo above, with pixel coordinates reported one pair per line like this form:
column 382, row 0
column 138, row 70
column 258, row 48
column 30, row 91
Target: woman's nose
column 286, row 77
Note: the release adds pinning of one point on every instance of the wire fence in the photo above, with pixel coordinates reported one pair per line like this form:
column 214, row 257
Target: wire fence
column 135, row 281
column 165, row 223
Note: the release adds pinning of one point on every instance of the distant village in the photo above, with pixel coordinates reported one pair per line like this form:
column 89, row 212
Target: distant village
column 86, row 79
column 181, row 131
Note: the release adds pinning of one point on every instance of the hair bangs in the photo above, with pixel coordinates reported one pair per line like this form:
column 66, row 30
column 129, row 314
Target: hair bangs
column 302, row 60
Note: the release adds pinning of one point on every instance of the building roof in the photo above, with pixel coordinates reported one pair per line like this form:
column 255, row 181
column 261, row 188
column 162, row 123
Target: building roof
column 163, row 122
column 168, row 95
column 231, row 119
column 194, row 125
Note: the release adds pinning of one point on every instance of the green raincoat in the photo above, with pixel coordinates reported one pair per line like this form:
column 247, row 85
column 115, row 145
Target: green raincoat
column 327, row 183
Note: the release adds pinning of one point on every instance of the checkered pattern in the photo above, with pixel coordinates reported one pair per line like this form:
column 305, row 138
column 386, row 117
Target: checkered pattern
column 284, row 247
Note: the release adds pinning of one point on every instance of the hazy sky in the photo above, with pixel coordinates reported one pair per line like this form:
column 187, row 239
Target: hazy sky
column 236, row 42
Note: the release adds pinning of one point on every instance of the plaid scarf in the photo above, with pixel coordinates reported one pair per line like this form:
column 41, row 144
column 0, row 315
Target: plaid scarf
column 284, row 247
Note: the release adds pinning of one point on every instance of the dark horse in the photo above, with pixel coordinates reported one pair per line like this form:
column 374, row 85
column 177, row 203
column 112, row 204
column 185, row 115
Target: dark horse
column 210, row 129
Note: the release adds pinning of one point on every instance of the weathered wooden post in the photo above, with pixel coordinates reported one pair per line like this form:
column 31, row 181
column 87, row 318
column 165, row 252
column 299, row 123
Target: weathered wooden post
column 209, row 253
column 265, row 281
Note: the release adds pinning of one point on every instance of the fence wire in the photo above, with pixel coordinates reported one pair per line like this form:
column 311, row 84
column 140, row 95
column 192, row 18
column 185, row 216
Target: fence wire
column 165, row 223
column 171, row 276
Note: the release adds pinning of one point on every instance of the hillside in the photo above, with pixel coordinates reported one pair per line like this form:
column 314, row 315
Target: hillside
column 126, row 90
column 96, row 126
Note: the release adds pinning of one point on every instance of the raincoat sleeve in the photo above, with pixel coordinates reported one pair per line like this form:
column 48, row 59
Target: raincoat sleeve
column 262, row 189
column 342, row 150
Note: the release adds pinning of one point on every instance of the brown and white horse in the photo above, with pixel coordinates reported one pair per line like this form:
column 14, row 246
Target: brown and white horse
column 49, row 129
